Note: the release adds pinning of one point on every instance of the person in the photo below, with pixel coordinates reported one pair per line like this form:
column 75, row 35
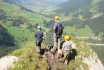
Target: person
column 39, row 38
column 55, row 29
column 66, row 48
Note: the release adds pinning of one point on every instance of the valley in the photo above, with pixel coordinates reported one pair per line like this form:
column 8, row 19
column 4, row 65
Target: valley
column 19, row 20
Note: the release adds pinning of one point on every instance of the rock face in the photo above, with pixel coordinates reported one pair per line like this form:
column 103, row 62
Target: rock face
column 94, row 63
column 7, row 61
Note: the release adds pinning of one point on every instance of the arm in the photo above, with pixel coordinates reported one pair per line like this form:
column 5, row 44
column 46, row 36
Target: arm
column 70, row 48
column 54, row 28
column 42, row 35
column 62, row 49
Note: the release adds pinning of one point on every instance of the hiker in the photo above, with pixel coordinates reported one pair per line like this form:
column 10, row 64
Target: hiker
column 39, row 38
column 57, row 33
column 66, row 48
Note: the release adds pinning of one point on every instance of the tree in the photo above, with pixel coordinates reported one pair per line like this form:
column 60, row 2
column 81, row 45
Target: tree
column 17, row 22
column 6, row 38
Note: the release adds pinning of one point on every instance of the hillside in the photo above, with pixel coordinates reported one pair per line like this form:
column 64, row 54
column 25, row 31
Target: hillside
column 84, row 19
column 79, row 13
column 37, row 5
column 29, row 59
column 19, row 26
column 5, row 38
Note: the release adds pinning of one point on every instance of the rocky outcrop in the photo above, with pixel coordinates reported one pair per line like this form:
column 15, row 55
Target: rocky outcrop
column 93, row 62
column 7, row 61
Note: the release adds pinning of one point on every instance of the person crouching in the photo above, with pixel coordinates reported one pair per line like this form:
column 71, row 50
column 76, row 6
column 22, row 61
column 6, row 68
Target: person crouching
column 66, row 48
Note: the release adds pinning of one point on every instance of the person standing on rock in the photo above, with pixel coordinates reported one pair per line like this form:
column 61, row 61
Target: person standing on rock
column 58, row 30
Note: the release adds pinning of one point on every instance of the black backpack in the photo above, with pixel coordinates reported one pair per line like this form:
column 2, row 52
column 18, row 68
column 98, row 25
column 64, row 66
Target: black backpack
column 59, row 30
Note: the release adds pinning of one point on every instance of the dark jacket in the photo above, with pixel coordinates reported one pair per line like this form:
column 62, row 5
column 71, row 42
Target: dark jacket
column 39, row 35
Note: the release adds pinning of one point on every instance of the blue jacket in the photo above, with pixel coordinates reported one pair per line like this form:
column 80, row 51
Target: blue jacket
column 39, row 35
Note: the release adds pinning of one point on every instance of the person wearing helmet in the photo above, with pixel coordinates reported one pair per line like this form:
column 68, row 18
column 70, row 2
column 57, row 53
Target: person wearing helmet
column 66, row 48
column 55, row 29
column 39, row 38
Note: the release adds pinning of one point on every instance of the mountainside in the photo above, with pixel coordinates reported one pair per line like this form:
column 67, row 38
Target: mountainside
column 28, row 58
column 85, row 19
column 20, row 26
column 36, row 2
column 36, row 5
column 6, row 39
column 74, row 6
column 17, row 27
column 79, row 13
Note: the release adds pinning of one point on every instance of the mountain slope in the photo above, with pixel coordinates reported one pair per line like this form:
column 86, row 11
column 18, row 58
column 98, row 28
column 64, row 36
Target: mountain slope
column 79, row 13
column 36, row 5
column 20, row 26
column 91, row 15
column 86, row 59
column 36, row 2
column 5, row 38
column 73, row 6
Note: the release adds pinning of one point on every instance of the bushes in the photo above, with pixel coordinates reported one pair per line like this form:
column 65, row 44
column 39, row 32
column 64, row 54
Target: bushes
column 17, row 22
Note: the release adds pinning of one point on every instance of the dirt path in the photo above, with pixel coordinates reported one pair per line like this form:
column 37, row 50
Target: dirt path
column 52, row 61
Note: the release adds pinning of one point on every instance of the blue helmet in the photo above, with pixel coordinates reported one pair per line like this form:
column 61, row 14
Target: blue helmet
column 38, row 27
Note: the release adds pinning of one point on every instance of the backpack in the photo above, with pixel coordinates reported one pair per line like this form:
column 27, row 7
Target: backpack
column 59, row 30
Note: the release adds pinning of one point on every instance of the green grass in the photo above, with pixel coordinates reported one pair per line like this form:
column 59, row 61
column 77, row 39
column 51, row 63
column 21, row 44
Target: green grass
column 95, row 1
column 84, row 32
column 29, row 60
column 69, row 30
column 94, row 9
column 15, row 11
column 24, row 37
column 100, row 34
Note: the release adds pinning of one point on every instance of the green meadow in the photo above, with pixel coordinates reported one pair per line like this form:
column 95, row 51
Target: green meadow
column 84, row 32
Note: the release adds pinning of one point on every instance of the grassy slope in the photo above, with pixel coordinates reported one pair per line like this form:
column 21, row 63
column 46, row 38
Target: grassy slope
column 84, row 32
column 93, row 9
column 15, row 12
column 20, row 33
column 25, row 57
column 30, row 59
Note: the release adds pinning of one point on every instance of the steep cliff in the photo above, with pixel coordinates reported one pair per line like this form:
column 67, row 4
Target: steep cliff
column 93, row 62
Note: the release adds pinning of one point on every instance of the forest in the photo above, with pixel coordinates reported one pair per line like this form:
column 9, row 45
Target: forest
column 6, row 39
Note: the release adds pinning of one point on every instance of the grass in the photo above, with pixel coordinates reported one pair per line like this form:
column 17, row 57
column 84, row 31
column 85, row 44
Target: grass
column 84, row 32
column 69, row 30
column 21, row 33
column 14, row 11
column 94, row 9
column 29, row 60
column 95, row 1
